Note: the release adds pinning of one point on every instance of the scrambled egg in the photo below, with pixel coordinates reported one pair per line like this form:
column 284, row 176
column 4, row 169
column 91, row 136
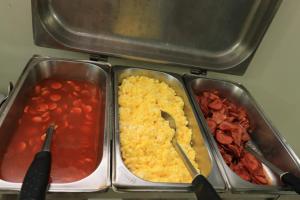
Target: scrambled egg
column 146, row 137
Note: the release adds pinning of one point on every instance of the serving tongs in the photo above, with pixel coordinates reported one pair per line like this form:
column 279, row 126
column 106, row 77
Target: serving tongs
column 36, row 180
column 200, row 185
column 287, row 178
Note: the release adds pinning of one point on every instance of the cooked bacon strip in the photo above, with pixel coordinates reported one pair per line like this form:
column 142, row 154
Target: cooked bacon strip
column 212, row 125
column 223, row 138
column 216, row 104
column 230, row 126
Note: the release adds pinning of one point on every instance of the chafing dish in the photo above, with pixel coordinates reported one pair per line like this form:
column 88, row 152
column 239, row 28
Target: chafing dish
column 40, row 68
column 264, row 135
column 122, row 178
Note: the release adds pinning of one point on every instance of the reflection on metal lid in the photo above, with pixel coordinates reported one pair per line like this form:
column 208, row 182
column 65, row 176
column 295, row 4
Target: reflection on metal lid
column 214, row 35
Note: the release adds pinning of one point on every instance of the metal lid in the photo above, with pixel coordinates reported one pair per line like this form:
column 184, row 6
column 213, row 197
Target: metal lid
column 213, row 35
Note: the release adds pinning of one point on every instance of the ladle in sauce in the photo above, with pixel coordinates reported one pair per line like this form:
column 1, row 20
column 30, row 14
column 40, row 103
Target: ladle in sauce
column 36, row 180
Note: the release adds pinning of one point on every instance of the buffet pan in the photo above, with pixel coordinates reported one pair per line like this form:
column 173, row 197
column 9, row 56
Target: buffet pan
column 122, row 178
column 263, row 135
column 40, row 68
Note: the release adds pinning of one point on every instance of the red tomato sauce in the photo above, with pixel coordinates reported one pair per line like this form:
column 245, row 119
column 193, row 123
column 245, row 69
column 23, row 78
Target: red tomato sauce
column 75, row 107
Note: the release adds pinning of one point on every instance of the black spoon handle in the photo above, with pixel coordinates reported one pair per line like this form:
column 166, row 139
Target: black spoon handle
column 291, row 180
column 203, row 189
column 36, row 180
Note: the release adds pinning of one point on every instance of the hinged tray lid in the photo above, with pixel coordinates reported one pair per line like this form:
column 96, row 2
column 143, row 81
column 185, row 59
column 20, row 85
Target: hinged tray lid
column 213, row 35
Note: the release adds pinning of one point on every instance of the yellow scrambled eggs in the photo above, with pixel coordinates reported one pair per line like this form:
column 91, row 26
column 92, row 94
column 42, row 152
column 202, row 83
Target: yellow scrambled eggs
column 146, row 137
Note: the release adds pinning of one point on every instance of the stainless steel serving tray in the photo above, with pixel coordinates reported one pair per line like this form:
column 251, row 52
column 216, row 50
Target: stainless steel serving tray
column 214, row 34
column 264, row 135
column 122, row 178
column 40, row 68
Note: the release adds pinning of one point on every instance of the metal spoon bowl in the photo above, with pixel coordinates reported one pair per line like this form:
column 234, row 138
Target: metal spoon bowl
column 193, row 171
column 200, row 185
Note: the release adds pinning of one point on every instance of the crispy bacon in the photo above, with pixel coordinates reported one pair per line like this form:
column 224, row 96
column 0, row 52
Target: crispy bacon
column 217, row 104
column 218, row 117
column 212, row 125
column 227, row 126
column 230, row 126
column 223, row 138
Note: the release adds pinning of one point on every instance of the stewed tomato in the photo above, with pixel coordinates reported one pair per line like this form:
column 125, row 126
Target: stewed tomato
column 75, row 107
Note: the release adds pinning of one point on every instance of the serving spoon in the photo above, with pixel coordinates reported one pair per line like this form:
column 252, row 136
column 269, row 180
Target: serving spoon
column 36, row 180
column 286, row 177
column 201, row 187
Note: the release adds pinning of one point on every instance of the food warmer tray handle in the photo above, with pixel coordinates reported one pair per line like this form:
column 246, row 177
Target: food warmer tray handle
column 9, row 90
